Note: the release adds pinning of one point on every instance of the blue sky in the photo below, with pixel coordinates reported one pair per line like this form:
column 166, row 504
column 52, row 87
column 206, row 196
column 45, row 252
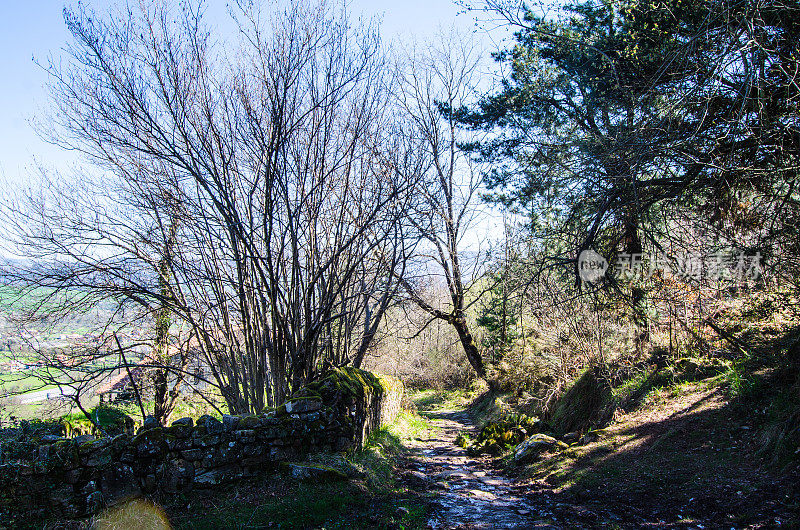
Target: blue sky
column 35, row 29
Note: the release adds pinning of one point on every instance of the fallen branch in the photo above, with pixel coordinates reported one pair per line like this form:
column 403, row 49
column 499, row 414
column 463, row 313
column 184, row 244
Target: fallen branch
column 738, row 343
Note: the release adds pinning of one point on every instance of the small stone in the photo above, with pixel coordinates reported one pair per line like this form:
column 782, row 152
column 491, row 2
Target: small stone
column 83, row 439
column 183, row 422
column 571, row 437
column 482, row 495
column 211, row 424
column 418, row 475
column 593, row 436
column 313, row 471
column 118, row 482
column 303, row 405
column 207, row 440
column 245, row 435
column 94, row 502
column 150, row 422
column 94, row 445
column 176, row 474
column 229, row 422
column 63, row 495
column 192, row 454
column 98, row 459
column 312, row 416
column 89, row 487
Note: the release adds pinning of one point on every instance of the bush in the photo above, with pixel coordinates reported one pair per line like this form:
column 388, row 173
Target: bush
column 41, row 427
column 109, row 419
column 740, row 384
column 497, row 436
column 589, row 402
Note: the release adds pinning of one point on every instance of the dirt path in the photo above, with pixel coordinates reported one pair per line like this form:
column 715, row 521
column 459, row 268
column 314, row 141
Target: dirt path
column 685, row 464
column 468, row 492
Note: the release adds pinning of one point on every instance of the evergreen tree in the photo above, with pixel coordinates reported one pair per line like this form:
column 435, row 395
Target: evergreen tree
column 616, row 111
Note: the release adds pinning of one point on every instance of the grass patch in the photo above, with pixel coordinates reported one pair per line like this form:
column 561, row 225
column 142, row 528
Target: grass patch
column 429, row 399
column 407, row 426
column 375, row 464
column 654, row 384
column 301, row 505
column 21, row 383
column 740, row 383
column 489, row 407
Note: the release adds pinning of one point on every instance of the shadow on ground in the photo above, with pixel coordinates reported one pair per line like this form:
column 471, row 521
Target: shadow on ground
column 699, row 463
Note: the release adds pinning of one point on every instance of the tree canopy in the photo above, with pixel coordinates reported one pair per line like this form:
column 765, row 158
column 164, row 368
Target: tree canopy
column 612, row 109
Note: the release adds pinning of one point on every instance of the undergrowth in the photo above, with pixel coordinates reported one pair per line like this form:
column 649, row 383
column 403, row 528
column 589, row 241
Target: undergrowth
column 498, row 436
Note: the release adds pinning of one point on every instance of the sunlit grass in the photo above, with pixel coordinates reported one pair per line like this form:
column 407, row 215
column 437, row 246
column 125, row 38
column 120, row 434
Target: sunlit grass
column 432, row 399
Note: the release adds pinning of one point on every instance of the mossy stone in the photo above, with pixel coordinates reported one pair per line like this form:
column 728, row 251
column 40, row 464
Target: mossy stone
column 249, row 421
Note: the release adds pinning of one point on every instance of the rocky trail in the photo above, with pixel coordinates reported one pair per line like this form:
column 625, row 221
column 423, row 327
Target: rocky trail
column 687, row 463
column 471, row 492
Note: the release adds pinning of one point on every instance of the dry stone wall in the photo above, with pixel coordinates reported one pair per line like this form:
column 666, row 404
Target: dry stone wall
column 51, row 476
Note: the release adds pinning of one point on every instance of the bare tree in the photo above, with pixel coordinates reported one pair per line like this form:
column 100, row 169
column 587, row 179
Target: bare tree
column 93, row 251
column 436, row 86
column 260, row 187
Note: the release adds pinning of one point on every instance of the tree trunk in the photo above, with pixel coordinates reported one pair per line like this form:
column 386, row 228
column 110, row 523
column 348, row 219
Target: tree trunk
column 470, row 347
column 160, row 388
column 633, row 246
column 161, row 407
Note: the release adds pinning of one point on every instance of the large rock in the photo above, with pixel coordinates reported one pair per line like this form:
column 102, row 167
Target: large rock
column 299, row 406
column 83, row 439
column 313, row 472
column 119, row 483
column 175, row 475
column 211, row 424
column 217, row 476
column 182, row 427
column 150, row 422
column 150, row 443
column 536, row 445
column 183, row 422
column 229, row 422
